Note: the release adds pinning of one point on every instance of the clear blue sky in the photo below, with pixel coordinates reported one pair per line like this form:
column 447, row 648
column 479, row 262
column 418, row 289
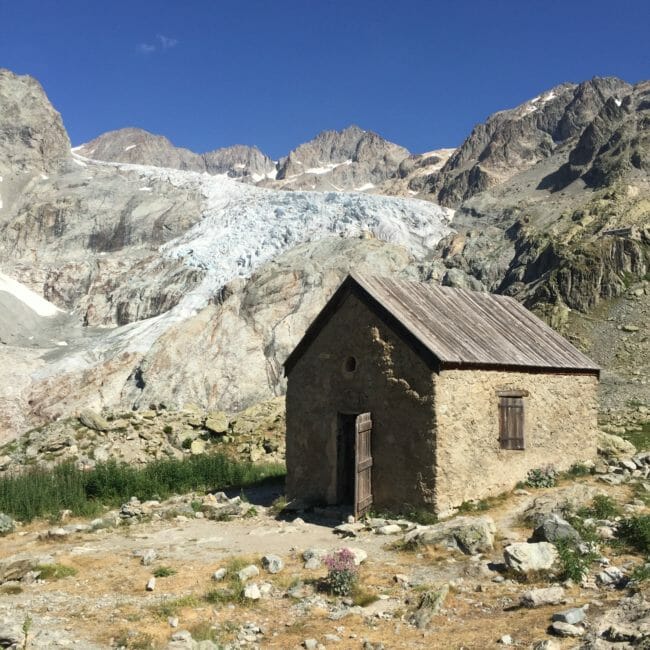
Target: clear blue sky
column 208, row 73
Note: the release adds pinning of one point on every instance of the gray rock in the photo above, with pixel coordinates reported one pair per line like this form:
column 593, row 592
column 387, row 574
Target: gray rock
column 388, row 529
column 272, row 563
column 11, row 636
column 7, row 524
column 93, row 420
column 571, row 616
column 310, row 644
column 468, row 534
column 252, row 592
column 554, row 528
column 217, row 422
column 219, row 574
column 248, row 572
column 430, row 604
column 151, row 584
column 506, row 639
column 611, row 576
column 566, row 630
column 524, row 557
column 313, row 558
column 542, row 597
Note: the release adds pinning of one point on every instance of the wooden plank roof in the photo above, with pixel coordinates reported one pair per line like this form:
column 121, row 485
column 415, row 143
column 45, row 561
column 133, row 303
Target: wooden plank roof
column 460, row 328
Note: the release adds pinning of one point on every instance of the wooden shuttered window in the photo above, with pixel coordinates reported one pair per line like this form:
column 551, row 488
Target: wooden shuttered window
column 511, row 419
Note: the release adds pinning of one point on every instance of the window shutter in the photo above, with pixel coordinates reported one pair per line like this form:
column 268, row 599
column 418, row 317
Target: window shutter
column 511, row 422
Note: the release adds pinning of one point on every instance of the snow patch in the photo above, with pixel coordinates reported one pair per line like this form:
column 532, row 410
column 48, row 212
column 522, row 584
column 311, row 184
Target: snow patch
column 326, row 168
column 146, row 189
column 78, row 160
column 364, row 187
column 131, row 146
column 617, row 101
column 28, row 297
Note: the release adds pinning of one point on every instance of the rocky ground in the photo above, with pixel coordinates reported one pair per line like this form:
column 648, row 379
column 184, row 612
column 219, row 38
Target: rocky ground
column 222, row 571
column 139, row 437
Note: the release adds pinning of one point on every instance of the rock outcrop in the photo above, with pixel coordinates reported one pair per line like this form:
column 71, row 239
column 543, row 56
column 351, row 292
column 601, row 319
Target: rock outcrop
column 137, row 146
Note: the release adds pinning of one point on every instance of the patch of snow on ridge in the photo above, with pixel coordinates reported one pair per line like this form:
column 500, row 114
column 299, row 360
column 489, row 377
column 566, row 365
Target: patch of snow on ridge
column 131, row 146
column 28, row 297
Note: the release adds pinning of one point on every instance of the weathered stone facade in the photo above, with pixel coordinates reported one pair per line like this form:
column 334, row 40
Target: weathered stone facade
column 559, row 428
column 435, row 437
column 390, row 381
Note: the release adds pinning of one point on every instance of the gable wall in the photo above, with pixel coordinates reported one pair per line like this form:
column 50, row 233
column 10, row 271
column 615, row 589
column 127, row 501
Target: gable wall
column 560, row 429
column 391, row 381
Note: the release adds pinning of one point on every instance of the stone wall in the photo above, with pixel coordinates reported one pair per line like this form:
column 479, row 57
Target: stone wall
column 559, row 429
column 390, row 381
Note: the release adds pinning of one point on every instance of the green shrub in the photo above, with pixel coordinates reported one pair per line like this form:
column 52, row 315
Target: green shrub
column 163, row 572
column 542, row 477
column 579, row 469
column 40, row 492
column 602, row 507
column 168, row 429
column 641, row 573
column 55, row 571
column 635, row 533
column 187, row 443
column 574, row 563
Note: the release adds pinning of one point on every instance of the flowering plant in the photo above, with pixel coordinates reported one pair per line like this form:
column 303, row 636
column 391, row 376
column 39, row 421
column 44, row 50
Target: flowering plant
column 342, row 572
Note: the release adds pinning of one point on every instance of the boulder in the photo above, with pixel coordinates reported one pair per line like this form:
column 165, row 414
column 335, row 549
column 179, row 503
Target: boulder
column 7, row 524
column 252, row 592
column 470, row 535
column 197, row 447
column 247, row 572
column 93, row 420
column 568, row 498
column 313, row 557
column 553, row 528
column 524, row 557
column 272, row 563
column 541, row 597
column 610, row 445
column 430, row 604
column 565, row 630
column 217, row 422
column 571, row 616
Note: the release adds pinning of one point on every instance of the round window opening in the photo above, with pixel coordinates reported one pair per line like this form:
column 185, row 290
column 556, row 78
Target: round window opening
column 350, row 364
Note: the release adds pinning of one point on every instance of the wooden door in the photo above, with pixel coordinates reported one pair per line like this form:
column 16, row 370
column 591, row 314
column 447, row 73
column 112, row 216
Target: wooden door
column 363, row 465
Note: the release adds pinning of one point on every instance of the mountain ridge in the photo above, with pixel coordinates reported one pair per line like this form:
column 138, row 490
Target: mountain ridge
column 185, row 286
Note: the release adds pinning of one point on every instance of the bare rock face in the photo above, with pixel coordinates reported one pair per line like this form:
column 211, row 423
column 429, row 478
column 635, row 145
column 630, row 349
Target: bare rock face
column 514, row 140
column 32, row 137
column 351, row 159
column 240, row 161
column 132, row 145
column 245, row 338
column 137, row 146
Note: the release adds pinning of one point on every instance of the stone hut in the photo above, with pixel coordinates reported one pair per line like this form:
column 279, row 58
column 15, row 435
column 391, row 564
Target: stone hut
column 403, row 395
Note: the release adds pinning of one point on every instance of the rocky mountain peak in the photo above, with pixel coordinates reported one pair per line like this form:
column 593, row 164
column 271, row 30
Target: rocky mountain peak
column 334, row 160
column 513, row 140
column 32, row 136
column 137, row 146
